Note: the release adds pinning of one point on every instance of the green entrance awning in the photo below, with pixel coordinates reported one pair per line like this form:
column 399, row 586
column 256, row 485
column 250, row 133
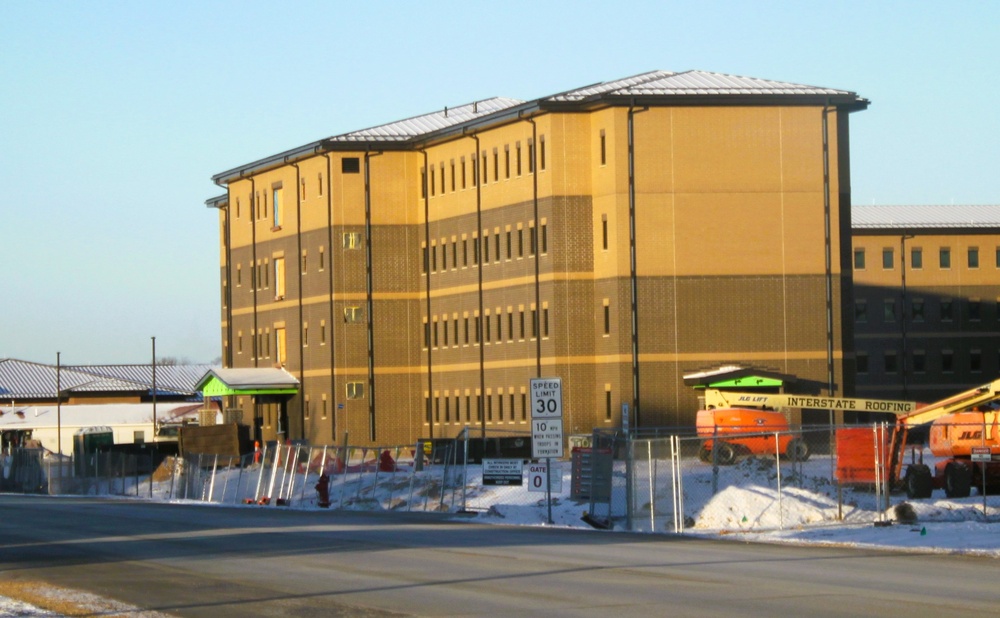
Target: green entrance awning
column 249, row 381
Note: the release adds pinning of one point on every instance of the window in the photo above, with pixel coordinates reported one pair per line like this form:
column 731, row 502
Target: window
column 860, row 311
column 947, row 361
column 322, row 332
column 352, row 240
column 604, row 150
column 917, row 258
column 304, row 262
column 475, row 170
column 426, row 260
column 917, row 310
column 489, row 407
column 975, row 361
column 350, row 165
column 891, row 362
column 506, row 161
column 531, row 156
column 305, row 334
column 276, row 206
column 859, row 259
column 499, row 325
column 532, row 240
column 510, row 325
column 521, row 319
column 973, row 257
column 465, row 328
column 545, row 238
column 944, row 257
column 998, row 257
column 524, row 406
column 545, row 322
column 862, row 362
column 919, row 361
column 477, row 323
column 607, row 403
column 319, row 184
column 451, row 165
column 445, row 329
column 508, row 245
column 322, row 259
column 279, row 278
column 889, row 310
column 887, row 259
column 442, row 177
column 444, row 254
column 280, row 346
column 500, row 406
column 423, row 183
column 496, row 173
column 604, row 232
column 355, row 390
column 496, row 240
column 517, row 150
column 534, row 323
column 946, row 310
column 975, row 310
column 607, row 317
column 520, row 243
column 353, row 315
column 435, row 333
column 465, row 252
column 454, row 255
column 485, row 175
column 541, row 164
column 486, row 247
column 463, row 171
column 239, row 275
column 138, row 437
column 475, row 251
column 489, row 328
column 434, row 258
column 427, row 334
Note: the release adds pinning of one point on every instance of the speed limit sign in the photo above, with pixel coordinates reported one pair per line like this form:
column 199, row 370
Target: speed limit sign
column 546, row 398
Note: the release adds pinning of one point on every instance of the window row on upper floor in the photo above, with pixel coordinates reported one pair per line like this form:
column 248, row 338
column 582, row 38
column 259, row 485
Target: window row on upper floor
column 467, row 250
column 502, row 163
column 916, row 310
column 944, row 258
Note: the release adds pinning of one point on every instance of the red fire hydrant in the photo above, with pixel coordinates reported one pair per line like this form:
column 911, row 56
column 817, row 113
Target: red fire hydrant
column 323, row 489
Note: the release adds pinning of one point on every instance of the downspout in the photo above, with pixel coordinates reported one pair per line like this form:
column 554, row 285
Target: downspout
column 538, row 253
column 482, row 317
column 633, row 283
column 828, row 251
column 329, row 266
column 255, row 279
column 368, row 296
column 302, row 360
column 426, row 266
column 228, row 239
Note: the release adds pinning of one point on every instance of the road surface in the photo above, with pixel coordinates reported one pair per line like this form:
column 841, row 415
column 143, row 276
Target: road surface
column 195, row 560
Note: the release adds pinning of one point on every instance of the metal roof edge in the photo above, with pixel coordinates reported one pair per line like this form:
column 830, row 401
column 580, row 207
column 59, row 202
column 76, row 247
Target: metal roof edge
column 217, row 201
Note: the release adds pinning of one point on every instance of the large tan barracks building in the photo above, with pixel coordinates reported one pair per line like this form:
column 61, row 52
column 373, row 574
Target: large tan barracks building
column 413, row 277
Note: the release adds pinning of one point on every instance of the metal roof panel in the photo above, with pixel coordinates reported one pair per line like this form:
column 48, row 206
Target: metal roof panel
column 933, row 216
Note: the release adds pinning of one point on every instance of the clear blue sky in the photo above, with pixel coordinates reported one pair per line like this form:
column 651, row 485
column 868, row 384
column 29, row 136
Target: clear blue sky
column 114, row 116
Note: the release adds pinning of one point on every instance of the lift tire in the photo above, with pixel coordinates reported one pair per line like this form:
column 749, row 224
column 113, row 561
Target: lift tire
column 957, row 480
column 919, row 482
column 725, row 454
column 705, row 454
column 797, row 450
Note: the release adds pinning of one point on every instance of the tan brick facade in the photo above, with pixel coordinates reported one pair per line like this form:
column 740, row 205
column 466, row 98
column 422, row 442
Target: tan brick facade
column 732, row 265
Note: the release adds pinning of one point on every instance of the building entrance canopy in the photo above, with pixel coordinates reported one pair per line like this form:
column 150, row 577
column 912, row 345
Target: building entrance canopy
column 252, row 381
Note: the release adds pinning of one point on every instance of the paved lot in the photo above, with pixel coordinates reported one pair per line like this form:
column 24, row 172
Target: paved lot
column 191, row 560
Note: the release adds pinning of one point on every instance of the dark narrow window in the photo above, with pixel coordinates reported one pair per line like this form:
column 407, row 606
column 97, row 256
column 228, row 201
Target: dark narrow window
column 442, row 178
column 604, row 232
column 427, row 408
column 520, row 242
column 532, row 240
column 427, row 334
column 447, row 409
column 545, row 322
column 486, row 176
column 607, row 405
column 466, row 326
column 435, row 333
column 607, row 320
column 500, row 407
column 534, row 323
column 496, row 165
column 496, row 240
column 541, row 164
column 437, row 409
column 524, row 406
column 486, row 248
column 423, row 183
column 545, row 239
column 475, row 251
column 476, row 326
column 489, row 408
column 489, row 330
column 499, row 326
column 506, row 161
column 508, row 245
column 452, row 164
column 463, row 172
column 604, row 149
column 426, row 259
column 531, row 158
column 510, row 326
column 465, row 252
column 454, row 254
column 517, row 150
column 521, row 320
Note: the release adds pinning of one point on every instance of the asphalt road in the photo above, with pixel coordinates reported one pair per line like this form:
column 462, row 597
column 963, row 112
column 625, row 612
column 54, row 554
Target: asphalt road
column 191, row 560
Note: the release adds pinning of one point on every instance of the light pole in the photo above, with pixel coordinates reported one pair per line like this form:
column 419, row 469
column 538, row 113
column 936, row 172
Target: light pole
column 154, row 387
column 59, row 403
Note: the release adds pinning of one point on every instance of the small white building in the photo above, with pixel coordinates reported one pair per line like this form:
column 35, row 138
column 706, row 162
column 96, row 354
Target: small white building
column 54, row 426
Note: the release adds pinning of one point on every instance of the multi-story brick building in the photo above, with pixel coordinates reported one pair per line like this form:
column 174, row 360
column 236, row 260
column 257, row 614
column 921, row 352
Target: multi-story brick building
column 415, row 276
column 927, row 299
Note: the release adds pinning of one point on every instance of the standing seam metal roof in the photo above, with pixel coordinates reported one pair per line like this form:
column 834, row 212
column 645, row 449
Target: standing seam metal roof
column 689, row 84
column 940, row 216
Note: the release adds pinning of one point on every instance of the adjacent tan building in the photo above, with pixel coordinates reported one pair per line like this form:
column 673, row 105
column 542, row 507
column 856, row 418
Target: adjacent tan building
column 414, row 276
column 927, row 299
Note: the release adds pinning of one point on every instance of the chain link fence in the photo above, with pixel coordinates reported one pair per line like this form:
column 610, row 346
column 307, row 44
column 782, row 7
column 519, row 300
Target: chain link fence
column 664, row 481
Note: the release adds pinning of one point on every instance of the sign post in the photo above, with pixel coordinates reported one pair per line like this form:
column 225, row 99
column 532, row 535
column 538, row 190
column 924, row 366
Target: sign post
column 546, row 427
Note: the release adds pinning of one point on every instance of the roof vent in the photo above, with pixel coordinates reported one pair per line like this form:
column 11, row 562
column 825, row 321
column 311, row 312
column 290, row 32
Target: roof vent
column 475, row 107
column 445, row 111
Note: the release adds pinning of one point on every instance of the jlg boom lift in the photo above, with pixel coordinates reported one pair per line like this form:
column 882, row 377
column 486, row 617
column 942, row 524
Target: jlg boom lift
column 960, row 423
